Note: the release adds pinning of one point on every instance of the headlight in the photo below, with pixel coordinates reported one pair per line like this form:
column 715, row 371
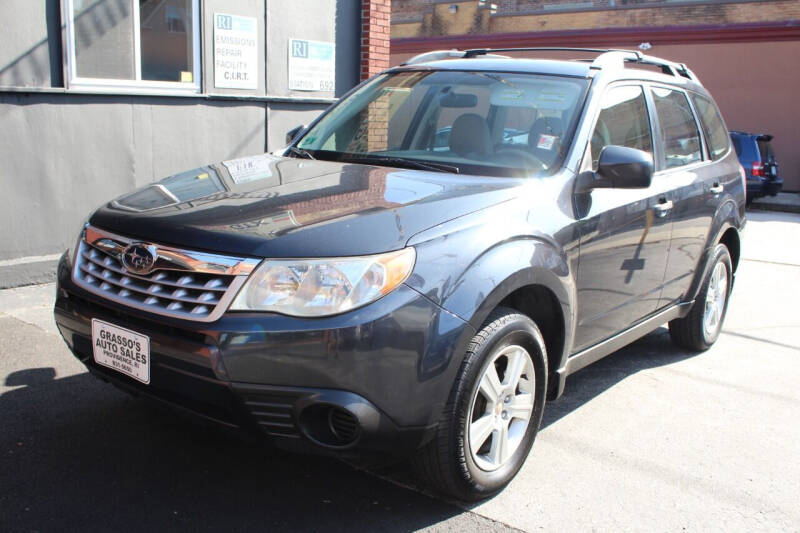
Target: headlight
column 323, row 287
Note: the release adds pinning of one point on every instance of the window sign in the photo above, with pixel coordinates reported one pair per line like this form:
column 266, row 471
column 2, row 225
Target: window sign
column 312, row 65
column 235, row 52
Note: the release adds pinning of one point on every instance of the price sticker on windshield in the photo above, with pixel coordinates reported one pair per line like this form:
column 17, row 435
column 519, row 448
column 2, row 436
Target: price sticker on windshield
column 546, row 142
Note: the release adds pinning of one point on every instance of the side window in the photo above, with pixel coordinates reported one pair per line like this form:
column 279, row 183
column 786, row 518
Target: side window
column 678, row 128
column 713, row 127
column 623, row 121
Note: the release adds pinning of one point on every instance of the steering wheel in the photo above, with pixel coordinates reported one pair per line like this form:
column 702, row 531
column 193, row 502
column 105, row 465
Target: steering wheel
column 529, row 159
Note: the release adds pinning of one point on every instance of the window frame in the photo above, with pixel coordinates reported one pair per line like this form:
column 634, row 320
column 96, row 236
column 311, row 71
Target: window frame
column 698, row 118
column 654, row 136
column 661, row 163
column 137, row 85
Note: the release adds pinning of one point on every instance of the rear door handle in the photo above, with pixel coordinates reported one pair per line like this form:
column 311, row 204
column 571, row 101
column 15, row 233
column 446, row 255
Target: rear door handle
column 716, row 189
column 662, row 207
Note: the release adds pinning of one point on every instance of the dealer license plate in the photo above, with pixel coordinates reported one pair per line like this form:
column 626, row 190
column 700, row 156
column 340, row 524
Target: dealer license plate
column 121, row 349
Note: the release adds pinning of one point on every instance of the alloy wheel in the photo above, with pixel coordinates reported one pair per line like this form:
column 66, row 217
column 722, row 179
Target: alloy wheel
column 501, row 407
column 715, row 300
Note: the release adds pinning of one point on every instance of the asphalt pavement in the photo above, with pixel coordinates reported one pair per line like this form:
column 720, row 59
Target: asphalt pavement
column 651, row 438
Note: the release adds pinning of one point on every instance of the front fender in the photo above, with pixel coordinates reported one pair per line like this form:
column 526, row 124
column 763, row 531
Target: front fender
column 469, row 272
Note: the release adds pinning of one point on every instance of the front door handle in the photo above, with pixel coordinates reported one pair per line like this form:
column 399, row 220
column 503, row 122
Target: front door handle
column 716, row 189
column 662, row 207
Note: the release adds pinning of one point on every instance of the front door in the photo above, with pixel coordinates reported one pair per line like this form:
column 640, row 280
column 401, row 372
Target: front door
column 625, row 234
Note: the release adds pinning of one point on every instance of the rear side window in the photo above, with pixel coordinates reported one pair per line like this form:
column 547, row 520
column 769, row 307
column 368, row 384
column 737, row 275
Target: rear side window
column 713, row 127
column 765, row 149
column 678, row 128
column 623, row 121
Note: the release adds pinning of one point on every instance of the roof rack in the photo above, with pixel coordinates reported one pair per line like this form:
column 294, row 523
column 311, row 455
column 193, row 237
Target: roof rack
column 438, row 55
column 608, row 58
column 474, row 52
column 618, row 58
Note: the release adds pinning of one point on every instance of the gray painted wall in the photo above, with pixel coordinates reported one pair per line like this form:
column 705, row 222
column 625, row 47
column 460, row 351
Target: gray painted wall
column 65, row 153
column 30, row 54
column 69, row 154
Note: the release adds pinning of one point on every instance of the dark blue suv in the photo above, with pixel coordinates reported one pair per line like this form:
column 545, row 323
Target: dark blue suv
column 759, row 163
column 425, row 264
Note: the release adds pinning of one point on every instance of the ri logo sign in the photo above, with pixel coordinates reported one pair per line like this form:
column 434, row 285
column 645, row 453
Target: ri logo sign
column 225, row 22
column 312, row 65
column 299, row 48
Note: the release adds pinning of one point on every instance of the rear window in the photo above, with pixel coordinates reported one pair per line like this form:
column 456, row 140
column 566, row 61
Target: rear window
column 713, row 127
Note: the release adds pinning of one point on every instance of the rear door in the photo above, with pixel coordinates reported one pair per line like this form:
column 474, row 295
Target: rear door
column 694, row 140
column 625, row 233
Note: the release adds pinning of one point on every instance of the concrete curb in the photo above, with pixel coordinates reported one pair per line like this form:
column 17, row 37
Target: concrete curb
column 788, row 202
column 23, row 274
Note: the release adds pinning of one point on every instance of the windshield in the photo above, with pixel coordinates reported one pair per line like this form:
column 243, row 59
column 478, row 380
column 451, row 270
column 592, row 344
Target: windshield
column 488, row 123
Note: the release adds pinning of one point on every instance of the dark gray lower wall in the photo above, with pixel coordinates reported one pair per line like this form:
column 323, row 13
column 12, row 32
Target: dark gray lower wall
column 62, row 155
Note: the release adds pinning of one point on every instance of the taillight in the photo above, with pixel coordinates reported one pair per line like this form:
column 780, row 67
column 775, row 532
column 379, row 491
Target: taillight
column 756, row 170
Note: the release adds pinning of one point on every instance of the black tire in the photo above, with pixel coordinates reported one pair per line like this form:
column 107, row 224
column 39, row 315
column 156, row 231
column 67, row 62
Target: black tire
column 446, row 462
column 689, row 332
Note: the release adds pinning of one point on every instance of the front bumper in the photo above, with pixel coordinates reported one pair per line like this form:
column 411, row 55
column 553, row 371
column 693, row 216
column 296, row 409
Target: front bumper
column 388, row 365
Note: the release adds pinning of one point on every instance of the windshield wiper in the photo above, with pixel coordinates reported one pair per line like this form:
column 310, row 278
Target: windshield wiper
column 305, row 154
column 407, row 163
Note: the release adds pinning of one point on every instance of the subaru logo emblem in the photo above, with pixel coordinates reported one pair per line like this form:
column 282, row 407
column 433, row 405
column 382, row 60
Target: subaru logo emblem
column 139, row 258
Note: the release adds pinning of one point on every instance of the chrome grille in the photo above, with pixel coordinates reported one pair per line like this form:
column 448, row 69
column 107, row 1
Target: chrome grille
column 183, row 284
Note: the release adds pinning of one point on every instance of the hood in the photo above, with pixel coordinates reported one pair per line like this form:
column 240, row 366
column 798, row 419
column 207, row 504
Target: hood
column 268, row 206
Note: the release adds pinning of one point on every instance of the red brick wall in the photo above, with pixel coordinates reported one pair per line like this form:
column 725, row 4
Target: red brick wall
column 375, row 31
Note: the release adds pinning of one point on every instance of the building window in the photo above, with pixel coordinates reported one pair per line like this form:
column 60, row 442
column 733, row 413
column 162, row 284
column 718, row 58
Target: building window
column 133, row 45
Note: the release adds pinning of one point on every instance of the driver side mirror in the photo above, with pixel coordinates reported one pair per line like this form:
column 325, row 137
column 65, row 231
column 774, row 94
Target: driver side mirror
column 294, row 133
column 618, row 167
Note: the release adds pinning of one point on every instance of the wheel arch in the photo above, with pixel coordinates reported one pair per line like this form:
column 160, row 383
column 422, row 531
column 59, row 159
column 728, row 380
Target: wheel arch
column 541, row 305
column 730, row 238
column 725, row 230
column 535, row 280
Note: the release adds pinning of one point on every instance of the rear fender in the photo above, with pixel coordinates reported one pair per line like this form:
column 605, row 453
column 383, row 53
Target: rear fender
column 727, row 216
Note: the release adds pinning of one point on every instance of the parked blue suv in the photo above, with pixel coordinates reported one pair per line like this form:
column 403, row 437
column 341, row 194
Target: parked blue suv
column 408, row 278
column 760, row 165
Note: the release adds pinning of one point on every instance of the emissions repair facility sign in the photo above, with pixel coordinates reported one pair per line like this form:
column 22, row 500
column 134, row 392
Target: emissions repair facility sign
column 312, row 66
column 235, row 52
